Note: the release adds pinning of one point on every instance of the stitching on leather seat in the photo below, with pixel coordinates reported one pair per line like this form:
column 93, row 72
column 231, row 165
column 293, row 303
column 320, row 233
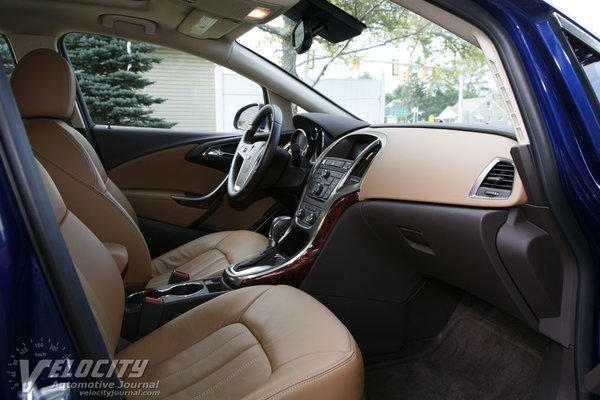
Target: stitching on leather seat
column 267, row 289
column 250, row 330
column 277, row 393
column 216, row 247
column 205, row 357
column 89, row 162
column 227, row 379
column 298, row 384
column 39, row 155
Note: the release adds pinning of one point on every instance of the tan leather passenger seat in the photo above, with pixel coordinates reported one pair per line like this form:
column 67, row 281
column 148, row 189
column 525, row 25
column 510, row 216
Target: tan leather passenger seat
column 262, row 342
column 44, row 88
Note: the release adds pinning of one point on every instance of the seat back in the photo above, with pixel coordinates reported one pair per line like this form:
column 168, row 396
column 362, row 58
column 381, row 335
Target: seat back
column 43, row 84
column 96, row 269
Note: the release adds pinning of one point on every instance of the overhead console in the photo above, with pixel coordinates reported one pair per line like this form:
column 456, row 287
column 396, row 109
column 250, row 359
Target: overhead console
column 333, row 185
column 212, row 19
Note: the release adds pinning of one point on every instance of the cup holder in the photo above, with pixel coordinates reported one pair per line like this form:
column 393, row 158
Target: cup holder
column 183, row 289
column 138, row 298
column 143, row 316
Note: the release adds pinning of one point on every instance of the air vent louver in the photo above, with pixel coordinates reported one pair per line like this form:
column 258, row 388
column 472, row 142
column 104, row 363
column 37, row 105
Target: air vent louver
column 363, row 165
column 496, row 182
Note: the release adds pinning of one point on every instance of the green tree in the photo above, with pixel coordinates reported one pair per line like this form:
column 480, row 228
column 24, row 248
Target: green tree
column 109, row 71
column 7, row 57
column 387, row 24
column 416, row 94
column 438, row 57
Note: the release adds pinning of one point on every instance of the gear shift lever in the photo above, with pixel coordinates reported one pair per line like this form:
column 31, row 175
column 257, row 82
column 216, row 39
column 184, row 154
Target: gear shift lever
column 278, row 228
column 268, row 258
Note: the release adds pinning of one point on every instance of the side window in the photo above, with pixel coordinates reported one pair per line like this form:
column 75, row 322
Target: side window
column 8, row 60
column 589, row 61
column 132, row 83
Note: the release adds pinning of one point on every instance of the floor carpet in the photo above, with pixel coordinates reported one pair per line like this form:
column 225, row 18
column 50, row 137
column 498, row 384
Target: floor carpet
column 481, row 354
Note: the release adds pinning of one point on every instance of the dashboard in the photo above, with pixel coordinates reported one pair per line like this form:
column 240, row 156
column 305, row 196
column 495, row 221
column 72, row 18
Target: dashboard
column 441, row 164
column 387, row 208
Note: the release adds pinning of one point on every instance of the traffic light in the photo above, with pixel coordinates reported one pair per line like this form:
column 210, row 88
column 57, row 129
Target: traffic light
column 310, row 59
column 355, row 64
column 395, row 67
column 405, row 76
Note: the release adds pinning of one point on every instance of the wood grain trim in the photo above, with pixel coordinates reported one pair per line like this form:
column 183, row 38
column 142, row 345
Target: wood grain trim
column 294, row 273
column 435, row 165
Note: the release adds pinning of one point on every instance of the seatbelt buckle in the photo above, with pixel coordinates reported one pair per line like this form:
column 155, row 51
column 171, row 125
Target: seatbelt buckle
column 177, row 276
column 152, row 310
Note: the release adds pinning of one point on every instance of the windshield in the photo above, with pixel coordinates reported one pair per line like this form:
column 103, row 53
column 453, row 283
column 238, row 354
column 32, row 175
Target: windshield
column 401, row 69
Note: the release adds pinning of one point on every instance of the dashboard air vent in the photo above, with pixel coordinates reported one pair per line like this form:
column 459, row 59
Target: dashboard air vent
column 496, row 181
column 363, row 165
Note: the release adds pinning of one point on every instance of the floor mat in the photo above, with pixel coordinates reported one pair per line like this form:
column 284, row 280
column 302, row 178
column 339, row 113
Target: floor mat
column 482, row 354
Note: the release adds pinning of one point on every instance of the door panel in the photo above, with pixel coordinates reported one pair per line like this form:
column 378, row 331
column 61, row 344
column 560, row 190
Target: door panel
column 149, row 181
column 119, row 144
column 167, row 170
column 159, row 205
column 232, row 218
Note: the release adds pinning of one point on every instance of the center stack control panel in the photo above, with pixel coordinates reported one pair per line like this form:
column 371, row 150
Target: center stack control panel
column 322, row 184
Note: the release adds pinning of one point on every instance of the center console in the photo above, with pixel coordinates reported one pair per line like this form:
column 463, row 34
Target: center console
column 333, row 186
column 148, row 309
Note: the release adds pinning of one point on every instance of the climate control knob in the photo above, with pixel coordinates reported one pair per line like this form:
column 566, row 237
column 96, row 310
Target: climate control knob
column 311, row 218
column 300, row 213
column 317, row 189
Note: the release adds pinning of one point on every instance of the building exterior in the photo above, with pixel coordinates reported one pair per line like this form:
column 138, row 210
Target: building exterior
column 481, row 110
column 200, row 95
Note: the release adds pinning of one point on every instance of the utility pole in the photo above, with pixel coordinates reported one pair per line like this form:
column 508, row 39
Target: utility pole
column 461, row 82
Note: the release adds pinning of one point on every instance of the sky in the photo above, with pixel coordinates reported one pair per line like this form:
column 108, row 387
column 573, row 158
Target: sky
column 584, row 12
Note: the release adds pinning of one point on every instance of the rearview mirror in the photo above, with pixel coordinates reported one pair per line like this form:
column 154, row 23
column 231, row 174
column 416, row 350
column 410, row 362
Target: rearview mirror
column 302, row 36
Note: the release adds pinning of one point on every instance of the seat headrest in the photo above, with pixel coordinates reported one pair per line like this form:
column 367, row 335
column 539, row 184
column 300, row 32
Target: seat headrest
column 43, row 84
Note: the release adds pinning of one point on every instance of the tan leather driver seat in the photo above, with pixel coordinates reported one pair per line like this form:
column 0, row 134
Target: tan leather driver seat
column 44, row 88
column 262, row 342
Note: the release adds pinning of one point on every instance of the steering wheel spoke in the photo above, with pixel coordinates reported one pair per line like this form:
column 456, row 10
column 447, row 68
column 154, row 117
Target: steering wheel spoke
column 242, row 149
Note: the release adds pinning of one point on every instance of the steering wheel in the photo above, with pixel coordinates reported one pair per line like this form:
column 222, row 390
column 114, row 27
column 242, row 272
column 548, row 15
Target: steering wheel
column 252, row 159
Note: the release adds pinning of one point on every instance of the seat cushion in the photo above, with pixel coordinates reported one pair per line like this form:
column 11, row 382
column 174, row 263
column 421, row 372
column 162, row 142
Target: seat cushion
column 262, row 342
column 207, row 256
